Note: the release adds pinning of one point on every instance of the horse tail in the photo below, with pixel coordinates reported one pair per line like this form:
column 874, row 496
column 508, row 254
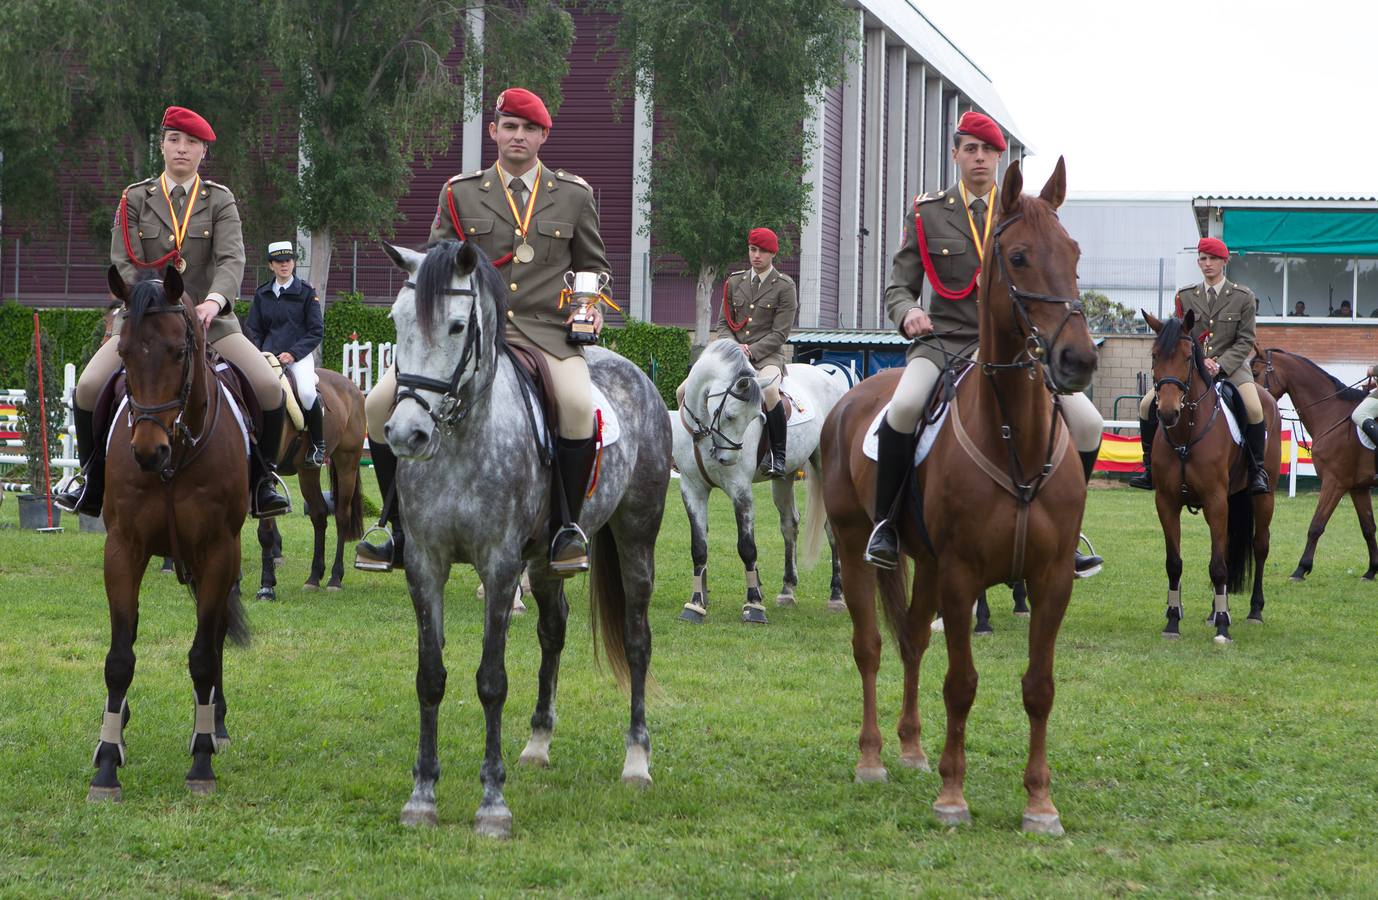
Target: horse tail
column 351, row 525
column 815, row 514
column 608, row 603
column 238, row 631
column 1239, row 537
column 894, row 600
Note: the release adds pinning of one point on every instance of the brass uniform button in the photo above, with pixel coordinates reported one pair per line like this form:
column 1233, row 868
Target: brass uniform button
column 944, row 251
column 509, row 314
column 205, row 234
column 169, row 239
column 517, row 232
column 488, row 184
column 141, row 234
column 513, row 286
column 472, row 229
column 557, row 232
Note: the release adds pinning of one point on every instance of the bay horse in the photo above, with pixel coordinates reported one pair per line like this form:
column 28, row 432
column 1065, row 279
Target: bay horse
column 181, row 490
column 1345, row 466
column 343, row 405
column 474, row 489
column 1207, row 471
column 1001, row 497
column 716, row 435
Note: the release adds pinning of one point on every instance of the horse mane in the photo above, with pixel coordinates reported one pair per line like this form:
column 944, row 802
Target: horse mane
column 1342, row 390
column 734, row 362
column 145, row 294
column 1167, row 343
column 434, row 277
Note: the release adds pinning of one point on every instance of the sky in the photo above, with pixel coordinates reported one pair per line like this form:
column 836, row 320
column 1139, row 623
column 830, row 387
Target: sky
column 1214, row 96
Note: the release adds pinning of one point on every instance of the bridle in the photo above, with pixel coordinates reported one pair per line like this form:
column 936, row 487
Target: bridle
column 450, row 410
column 1189, row 406
column 698, row 430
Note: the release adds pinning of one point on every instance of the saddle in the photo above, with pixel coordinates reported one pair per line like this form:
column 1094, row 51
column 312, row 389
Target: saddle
column 288, row 380
column 533, row 379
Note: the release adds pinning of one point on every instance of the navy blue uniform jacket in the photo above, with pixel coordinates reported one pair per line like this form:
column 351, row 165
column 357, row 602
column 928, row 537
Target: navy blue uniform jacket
column 292, row 323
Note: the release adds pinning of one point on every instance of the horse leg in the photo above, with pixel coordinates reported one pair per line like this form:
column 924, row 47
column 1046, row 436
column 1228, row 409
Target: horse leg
column 636, row 551
column 1331, row 492
column 782, row 492
column 346, row 473
column 753, row 610
column 1363, row 506
column 336, row 581
column 835, row 601
column 309, row 481
column 124, row 572
column 493, row 818
column 955, row 589
column 1021, row 596
column 550, row 630
column 923, row 603
column 1170, row 516
column 268, row 579
column 1052, row 591
column 1263, row 518
column 426, row 577
column 222, row 734
column 1217, row 517
column 218, row 570
column 859, row 591
column 983, row 627
column 696, row 506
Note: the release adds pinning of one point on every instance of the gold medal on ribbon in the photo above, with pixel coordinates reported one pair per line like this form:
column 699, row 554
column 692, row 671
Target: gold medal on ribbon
column 180, row 265
column 523, row 252
column 179, row 229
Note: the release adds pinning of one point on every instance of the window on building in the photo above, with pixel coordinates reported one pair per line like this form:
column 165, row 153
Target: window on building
column 1262, row 275
column 1325, row 283
column 1366, row 284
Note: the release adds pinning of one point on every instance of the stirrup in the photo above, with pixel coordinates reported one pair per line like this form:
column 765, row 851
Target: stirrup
column 368, row 564
column 315, row 457
column 68, row 494
column 565, row 568
column 253, row 497
column 876, row 561
column 1090, row 554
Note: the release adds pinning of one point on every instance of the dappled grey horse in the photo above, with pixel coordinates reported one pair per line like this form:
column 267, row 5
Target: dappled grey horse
column 474, row 490
column 717, row 431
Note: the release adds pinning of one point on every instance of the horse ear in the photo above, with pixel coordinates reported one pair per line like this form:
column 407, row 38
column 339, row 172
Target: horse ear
column 173, row 288
column 1153, row 321
column 118, row 289
column 1011, row 190
column 1055, row 191
column 406, row 260
column 1189, row 320
column 743, row 384
column 467, row 258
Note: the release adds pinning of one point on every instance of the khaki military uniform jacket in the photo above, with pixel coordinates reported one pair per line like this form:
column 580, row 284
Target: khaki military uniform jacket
column 213, row 247
column 766, row 315
column 937, row 271
column 1225, row 327
column 563, row 233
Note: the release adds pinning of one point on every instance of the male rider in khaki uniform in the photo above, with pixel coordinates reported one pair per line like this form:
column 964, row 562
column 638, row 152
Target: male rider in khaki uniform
column 758, row 312
column 181, row 219
column 931, row 298
column 1225, row 327
column 535, row 223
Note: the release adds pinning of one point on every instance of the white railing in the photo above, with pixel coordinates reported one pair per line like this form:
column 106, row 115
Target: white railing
column 66, row 459
column 362, row 366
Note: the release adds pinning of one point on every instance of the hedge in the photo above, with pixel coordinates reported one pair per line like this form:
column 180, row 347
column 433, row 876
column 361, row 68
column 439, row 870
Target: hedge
column 73, row 334
column 662, row 351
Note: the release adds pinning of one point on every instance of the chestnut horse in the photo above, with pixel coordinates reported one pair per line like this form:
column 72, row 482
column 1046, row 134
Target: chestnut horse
column 181, row 490
column 1001, row 495
column 1205, row 469
column 343, row 404
column 1344, row 465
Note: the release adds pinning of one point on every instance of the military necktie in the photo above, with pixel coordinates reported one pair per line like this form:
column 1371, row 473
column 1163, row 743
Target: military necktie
column 179, row 195
column 978, row 214
column 1210, row 295
column 518, row 189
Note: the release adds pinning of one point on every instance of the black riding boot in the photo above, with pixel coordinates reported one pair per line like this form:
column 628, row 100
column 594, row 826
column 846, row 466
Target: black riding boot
column 87, row 495
column 896, row 457
column 1148, row 429
column 1370, row 428
column 389, row 554
column 315, row 425
column 1088, row 564
column 774, row 463
column 1256, row 439
column 569, row 549
column 267, row 502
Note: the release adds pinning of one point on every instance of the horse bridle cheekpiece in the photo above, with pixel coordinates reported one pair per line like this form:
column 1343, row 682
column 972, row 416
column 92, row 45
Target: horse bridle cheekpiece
column 1037, row 346
column 141, row 413
column 450, row 410
column 713, row 429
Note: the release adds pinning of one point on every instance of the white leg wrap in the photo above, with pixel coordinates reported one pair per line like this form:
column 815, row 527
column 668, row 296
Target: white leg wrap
column 1174, row 600
column 205, row 722
column 699, row 579
column 112, row 731
column 1222, row 605
column 753, row 579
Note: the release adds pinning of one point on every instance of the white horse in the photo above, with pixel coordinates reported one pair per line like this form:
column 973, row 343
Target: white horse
column 717, row 432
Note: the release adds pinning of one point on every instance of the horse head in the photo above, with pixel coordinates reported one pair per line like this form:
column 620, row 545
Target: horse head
column 447, row 316
column 1274, row 380
column 162, row 345
column 722, row 397
column 1177, row 361
column 1030, row 291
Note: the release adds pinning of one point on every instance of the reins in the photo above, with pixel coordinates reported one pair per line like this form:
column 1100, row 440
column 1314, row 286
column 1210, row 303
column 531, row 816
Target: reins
column 698, row 430
column 1183, row 449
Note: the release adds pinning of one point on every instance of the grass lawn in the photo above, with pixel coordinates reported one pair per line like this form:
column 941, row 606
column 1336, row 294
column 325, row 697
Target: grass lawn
column 1179, row 768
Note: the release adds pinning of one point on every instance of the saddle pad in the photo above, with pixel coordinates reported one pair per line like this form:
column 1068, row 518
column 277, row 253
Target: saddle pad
column 800, row 413
column 1363, row 438
column 612, row 428
column 294, row 413
column 229, row 401
column 870, row 445
column 1228, row 413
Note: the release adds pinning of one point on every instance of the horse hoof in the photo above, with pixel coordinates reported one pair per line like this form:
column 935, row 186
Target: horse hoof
column 311, row 586
column 1171, row 635
column 692, row 614
column 1296, row 579
column 983, row 631
column 919, row 762
column 536, row 753
column 201, row 787
column 636, row 768
column 414, row 814
column 937, row 627
column 104, row 794
column 222, row 743
column 1021, row 613
column 266, row 594
column 496, row 824
column 754, row 614
column 279, row 560
column 785, row 600
column 871, row 775
column 952, row 815
column 1223, row 639
column 334, row 587
column 1254, row 619
column 837, row 605
column 1043, row 823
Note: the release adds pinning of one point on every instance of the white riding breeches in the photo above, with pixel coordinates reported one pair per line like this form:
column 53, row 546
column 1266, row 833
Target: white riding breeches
column 304, row 371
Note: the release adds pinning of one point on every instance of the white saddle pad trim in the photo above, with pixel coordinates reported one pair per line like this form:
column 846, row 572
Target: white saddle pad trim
column 229, row 401
column 1363, row 438
column 870, row 445
column 612, row 427
column 1230, row 420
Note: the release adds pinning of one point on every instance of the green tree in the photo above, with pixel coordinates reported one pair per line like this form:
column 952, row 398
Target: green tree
column 375, row 91
column 1105, row 316
column 735, row 99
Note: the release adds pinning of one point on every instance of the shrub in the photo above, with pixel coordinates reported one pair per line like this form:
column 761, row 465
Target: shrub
column 662, row 351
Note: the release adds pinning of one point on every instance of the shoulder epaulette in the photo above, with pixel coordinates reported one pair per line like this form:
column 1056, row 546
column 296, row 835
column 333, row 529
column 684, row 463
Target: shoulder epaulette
column 736, row 273
column 570, row 177
column 214, row 184
column 1186, row 290
column 465, row 176
column 784, row 277
column 152, row 184
column 928, row 197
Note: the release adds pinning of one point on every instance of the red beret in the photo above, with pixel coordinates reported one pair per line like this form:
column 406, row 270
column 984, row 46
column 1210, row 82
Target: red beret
column 179, row 118
column 523, row 104
column 1213, row 247
column 983, row 127
column 763, row 238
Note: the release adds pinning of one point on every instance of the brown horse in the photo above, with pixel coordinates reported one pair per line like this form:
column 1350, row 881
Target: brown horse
column 181, row 490
column 1001, row 496
column 1344, row 465
column 344, row 445
column 1205, row 469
